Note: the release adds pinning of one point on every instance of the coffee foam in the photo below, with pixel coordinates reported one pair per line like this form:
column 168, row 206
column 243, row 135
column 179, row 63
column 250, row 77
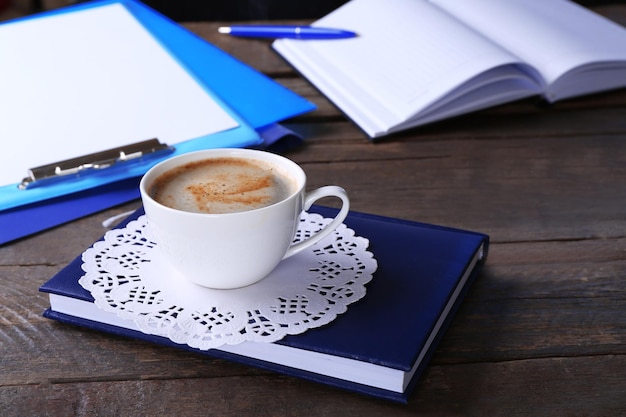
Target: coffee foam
column 222, row 185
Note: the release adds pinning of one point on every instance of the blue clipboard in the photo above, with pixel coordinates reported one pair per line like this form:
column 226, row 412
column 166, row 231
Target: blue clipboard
column 256, row 101
column 253, row 101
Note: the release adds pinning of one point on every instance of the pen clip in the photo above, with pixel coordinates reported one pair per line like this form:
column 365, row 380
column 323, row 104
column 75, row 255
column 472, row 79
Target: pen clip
column 94, row 162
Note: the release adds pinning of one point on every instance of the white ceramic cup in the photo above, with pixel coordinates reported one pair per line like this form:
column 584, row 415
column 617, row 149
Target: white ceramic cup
column 232, row 250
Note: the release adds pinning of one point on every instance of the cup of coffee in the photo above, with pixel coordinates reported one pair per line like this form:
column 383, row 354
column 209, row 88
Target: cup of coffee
column 225, row 218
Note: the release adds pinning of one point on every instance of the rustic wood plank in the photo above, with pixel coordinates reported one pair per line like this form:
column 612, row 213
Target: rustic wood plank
column 531, row 188
column 555, row 386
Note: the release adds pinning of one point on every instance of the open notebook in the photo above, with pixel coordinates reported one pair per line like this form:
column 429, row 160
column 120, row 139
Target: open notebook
column 419, row 61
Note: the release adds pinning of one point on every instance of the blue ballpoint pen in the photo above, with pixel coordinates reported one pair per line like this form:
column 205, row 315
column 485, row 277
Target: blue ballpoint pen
column 286, row 31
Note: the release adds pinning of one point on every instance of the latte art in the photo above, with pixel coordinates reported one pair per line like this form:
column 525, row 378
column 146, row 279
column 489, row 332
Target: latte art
column 221, row 185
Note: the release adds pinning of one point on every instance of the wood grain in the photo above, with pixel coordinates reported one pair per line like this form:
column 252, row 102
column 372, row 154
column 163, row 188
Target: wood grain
column 542, row 332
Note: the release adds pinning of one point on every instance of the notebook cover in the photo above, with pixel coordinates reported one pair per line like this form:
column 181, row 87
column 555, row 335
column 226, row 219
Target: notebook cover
column 419, row 266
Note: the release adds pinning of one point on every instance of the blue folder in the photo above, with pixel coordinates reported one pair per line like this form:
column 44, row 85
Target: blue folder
column 255, row 101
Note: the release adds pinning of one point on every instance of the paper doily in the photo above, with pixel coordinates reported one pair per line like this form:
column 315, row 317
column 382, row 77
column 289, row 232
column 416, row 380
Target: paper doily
column 125, row 275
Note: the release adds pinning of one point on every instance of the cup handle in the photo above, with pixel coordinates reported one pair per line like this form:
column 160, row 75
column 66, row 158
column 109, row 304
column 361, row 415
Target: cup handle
column 327, row 191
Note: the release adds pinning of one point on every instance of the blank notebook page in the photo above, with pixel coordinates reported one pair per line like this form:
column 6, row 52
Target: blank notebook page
column 399, row 57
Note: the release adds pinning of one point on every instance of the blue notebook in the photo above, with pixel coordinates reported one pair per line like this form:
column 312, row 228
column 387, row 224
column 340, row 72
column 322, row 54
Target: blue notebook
column 424, row 272
column 244, row 99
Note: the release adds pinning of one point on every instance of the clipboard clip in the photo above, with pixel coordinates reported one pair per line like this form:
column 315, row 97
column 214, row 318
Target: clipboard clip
column 95, row 162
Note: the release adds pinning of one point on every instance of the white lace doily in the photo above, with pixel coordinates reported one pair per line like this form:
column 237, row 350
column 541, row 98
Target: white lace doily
column 125, row 275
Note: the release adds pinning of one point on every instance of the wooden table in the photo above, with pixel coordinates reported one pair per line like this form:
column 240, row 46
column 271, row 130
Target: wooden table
column 541, row 333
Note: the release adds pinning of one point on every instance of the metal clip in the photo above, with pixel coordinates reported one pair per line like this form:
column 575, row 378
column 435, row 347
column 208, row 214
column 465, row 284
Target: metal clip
column 94, row 162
